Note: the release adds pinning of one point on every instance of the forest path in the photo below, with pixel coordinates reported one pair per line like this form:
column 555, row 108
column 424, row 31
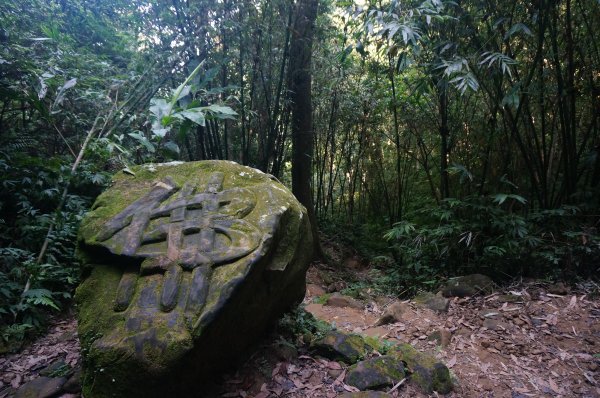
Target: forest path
column 537, row 345
column 522, row 341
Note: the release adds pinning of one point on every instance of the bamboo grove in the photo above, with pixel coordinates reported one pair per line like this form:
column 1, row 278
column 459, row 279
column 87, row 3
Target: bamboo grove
column 424, row 113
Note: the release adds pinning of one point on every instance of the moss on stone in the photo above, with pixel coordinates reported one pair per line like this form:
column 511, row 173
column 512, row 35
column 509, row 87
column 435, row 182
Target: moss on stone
column 429, row 374
column 468, row 285
column 375, row 373
column 380, row 345
column 141, row 351
column 338, row 346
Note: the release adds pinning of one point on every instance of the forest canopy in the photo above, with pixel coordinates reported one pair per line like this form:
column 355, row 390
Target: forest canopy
column 445, row 137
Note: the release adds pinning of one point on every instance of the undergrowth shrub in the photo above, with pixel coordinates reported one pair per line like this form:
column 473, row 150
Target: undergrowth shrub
column 493, row 235
column 299, row 322
column 31, row 191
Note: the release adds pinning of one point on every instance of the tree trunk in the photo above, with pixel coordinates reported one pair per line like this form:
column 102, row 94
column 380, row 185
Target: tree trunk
column 300, row 81
column 444, row 152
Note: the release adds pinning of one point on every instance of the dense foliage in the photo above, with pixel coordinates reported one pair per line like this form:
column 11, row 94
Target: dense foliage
column 467, row 133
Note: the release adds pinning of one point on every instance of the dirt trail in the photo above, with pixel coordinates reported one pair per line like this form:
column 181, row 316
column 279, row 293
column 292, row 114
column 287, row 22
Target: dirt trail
column 520, row 342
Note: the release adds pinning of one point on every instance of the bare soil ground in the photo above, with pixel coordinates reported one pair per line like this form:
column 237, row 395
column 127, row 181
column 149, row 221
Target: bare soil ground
column 520, row 342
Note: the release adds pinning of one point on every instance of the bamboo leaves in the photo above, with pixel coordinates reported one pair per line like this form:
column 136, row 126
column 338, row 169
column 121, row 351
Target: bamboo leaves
column 178, row 113
column 503, row 61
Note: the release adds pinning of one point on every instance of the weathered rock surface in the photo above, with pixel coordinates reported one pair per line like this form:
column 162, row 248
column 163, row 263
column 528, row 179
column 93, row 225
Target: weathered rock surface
column 374, row 373
column 57, row 368
column 433, row 302
column 559, row 288
column 339, row 300
column 314, row 290
column 73, row 384
column 187, row 265
column 337, row 346
column 426, row 372
column 441, row 336
column 468, row 285
column 393, row 313
column 41, row 387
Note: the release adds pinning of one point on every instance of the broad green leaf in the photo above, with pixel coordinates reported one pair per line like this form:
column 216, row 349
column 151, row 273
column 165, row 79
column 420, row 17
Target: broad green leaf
column 160, row 132
column 196, row 115
column 185, row 91
column 172, row 147
column 158, row 107
column 225, row 110
column 60, row 96
column 43, row 90
column 182, row 86
column 69, row 84
column 500, row 198
column 143, row 140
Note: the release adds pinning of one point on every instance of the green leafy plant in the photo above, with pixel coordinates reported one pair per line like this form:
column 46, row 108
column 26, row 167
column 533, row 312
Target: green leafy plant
column 172, row 118
column 487, row 234
column 31, row 289
column 299, row 322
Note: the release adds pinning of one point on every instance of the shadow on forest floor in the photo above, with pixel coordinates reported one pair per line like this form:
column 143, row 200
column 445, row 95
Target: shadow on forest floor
column 536, row 344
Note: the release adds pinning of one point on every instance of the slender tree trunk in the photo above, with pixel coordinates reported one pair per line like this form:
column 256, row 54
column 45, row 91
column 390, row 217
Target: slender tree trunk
column 444, row 152
column 300, row 81
column 398, row 214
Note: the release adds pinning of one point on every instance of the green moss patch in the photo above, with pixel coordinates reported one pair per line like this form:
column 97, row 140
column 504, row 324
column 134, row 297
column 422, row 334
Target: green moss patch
column 375, row 373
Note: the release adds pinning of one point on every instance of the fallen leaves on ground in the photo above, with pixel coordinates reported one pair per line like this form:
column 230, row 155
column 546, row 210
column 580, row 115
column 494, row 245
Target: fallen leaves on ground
column 520, row 342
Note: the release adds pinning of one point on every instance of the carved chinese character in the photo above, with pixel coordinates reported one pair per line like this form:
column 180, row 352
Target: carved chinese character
column 180, row 230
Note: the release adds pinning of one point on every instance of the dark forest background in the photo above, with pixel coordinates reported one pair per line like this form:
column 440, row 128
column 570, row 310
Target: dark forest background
column 435, row 138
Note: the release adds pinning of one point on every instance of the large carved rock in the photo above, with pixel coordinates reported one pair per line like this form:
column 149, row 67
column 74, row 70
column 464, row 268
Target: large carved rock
column 188, row 264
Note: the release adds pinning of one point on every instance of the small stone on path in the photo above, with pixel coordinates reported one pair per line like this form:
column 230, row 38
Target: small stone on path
column 433, row 302
column 339, row 300
column 375, row 373
column 337, row 346
column 41, row 387
column 393, row 313
column 468, row 285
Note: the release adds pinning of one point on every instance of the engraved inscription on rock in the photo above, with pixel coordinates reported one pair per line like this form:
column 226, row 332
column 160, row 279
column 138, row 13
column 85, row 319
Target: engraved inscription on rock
column 182, row 230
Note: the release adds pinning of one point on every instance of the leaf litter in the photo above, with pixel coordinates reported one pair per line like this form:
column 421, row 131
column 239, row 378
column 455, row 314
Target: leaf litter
column 540, row 345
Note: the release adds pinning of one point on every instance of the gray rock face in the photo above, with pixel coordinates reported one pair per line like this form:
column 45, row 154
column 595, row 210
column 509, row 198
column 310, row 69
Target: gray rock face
column 375, row 373
column 426, row 372
column 347, row 348
column 339, row 300
column 468, row 285
column 393, row 313
column 188, row 264
column 433, row 302
column 41, row 387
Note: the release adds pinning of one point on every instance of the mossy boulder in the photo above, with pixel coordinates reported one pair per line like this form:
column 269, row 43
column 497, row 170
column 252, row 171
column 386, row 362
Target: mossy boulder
column 432, row 301
column 337, row 346
column 468, row 285
column 425, row 371
column 374, row 373
column 186, row 265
